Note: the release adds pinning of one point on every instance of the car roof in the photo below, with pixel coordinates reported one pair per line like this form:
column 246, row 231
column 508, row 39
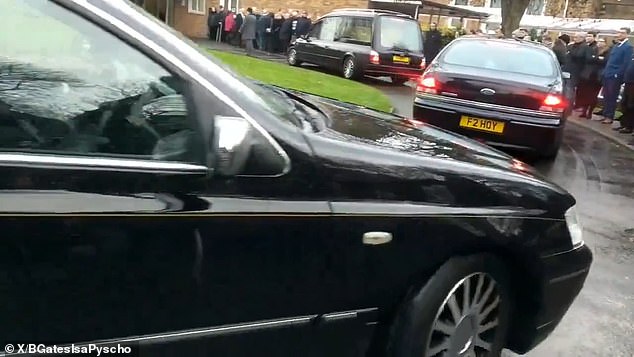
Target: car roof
column 500, row 40
column 366, row 13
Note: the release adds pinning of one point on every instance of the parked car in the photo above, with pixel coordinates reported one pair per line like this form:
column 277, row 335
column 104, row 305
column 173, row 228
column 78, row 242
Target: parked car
column 151, row 197
column 513, row 97
column 357, row 42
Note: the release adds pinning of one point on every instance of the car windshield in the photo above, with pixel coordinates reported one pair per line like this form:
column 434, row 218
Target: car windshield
column 400, row 34
column 513, row 57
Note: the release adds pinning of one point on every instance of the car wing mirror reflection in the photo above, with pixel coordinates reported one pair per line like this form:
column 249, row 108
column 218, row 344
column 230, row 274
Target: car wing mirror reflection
column 242, row 150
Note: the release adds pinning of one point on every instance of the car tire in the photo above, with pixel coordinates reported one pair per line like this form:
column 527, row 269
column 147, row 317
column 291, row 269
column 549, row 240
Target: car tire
column 291, row 57
column 426, row 323
column 350, row 70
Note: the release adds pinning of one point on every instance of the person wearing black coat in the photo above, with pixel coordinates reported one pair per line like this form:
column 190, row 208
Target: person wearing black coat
column 286, row 31
column 589, row 77
column 303, row 25
column 276, row 42
column 578, row 55
column 433, row 43
column 560, row 48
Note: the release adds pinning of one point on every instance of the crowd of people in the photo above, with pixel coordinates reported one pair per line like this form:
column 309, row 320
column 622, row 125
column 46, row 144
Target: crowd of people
column 593, row 65
column 263, row 30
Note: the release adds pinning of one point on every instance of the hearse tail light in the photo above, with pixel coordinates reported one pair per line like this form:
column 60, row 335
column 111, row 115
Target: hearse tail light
column 553, row 103
column 374, row 57
column 427, row 84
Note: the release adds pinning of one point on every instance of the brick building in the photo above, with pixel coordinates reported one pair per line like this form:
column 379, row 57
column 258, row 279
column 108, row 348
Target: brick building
column 186, row 16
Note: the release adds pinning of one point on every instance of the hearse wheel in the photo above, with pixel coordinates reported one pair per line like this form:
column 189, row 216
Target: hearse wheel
column 350, row 70
column 292, row 57
column 463, row 310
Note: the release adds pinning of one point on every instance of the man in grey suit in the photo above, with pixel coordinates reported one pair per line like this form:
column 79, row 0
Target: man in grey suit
column 248, row 31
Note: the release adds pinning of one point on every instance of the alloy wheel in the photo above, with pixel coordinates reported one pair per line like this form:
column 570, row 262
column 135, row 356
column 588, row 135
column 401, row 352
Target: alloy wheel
column 292, row 57
column 466, row 322
column 348, row 68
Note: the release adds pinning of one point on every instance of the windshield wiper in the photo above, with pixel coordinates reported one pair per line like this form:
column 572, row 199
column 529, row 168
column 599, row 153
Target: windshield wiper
column 301, row 110
column 399, row 48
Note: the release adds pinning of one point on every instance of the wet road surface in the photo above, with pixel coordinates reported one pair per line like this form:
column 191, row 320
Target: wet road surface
column 600, row 174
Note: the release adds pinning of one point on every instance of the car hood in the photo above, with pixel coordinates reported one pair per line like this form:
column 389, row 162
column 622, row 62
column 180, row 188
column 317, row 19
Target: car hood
column 362, row 125
column 389, row 153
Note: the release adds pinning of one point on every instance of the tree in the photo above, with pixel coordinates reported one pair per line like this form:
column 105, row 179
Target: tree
column 512, row 12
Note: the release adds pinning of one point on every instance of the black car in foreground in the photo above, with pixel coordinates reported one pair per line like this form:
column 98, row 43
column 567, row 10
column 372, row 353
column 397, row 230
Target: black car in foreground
column 150, row 197
column 505, row 92
column 356, row 42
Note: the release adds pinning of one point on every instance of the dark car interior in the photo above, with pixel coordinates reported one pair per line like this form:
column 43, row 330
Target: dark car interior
column 47, row 111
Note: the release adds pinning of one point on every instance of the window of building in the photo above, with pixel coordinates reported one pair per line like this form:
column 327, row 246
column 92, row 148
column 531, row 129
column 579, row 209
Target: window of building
column 461, row 2
column 197, row 6
column 496, row 3
column 68, row 87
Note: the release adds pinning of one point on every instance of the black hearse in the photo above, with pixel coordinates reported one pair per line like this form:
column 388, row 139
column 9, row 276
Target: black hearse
column 356, row 42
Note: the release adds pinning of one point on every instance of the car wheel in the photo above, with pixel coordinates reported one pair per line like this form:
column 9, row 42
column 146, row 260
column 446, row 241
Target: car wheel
column 350, row 70
column 292, row 57
column 462, row 310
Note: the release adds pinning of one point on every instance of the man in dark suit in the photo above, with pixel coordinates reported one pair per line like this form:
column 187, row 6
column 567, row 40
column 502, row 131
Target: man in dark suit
column 433, row 43
column 248, row 29
column 303, row 25
column 620, row 58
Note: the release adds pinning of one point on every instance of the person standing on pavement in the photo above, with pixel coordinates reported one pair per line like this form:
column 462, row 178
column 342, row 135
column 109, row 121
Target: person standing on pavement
column 286, row 32
column 598, row 66
column 264, row 23
column 294, row 22
column 303, row 25
column 236, row 33
column 230, row 24
column 627, row 101
column 212, row 26
column 620, row 58
column 276, row 42
column 588, row 76
column 560, row 48
column 433, row 42
column 247, row 30
column 578, row 55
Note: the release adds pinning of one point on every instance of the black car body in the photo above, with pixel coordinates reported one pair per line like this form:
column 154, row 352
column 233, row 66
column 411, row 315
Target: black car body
column 152, row 198
column 505, row 92
column 361, row 41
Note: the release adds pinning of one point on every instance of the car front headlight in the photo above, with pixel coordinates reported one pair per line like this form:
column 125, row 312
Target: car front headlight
column 574, row 226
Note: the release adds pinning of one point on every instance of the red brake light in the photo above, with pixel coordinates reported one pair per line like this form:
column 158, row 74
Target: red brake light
column 427, row 84
column 553, row 103
column 552, row 100
column 374, row 57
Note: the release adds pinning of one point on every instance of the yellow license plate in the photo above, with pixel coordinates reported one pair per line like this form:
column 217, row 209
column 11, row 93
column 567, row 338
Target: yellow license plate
column 400, row 59
column 491, row 126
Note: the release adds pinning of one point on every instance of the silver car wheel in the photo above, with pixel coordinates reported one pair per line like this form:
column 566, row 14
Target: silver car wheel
column 466, row 322
column 292, row 57
column 348, row 68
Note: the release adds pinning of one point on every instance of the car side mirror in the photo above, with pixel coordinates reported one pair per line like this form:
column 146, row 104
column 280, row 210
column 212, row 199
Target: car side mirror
column 565, row 75
column 242, row 150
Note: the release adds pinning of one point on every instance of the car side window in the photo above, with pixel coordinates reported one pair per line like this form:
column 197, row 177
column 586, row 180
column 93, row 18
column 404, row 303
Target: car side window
column 315, row 30
column 329, row 28
column 69, row 87
column 355, row 30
